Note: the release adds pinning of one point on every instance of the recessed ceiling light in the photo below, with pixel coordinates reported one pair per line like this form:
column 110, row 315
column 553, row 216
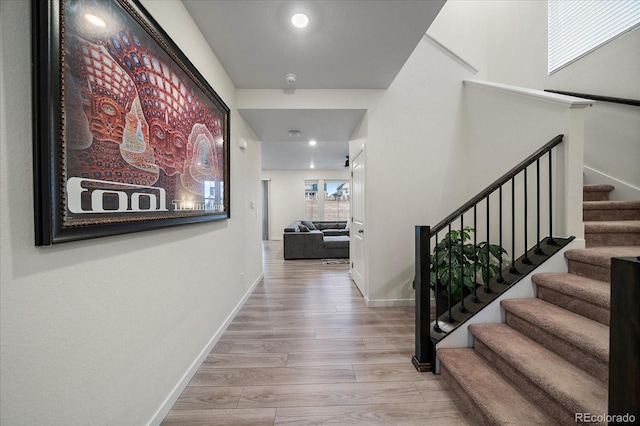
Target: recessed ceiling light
column 300, row 20
column 312, row 143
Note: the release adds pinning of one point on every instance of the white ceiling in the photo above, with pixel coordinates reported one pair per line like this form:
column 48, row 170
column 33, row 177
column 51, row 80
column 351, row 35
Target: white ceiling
column 330, row 128
column 349, row 44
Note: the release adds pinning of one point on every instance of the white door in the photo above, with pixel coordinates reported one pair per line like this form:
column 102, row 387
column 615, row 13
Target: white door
column 357, row 232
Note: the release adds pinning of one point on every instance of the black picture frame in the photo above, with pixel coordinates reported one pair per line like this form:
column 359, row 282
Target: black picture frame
column 128, row 136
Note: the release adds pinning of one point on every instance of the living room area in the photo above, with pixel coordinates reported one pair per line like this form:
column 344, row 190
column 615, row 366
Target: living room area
column 309, row 211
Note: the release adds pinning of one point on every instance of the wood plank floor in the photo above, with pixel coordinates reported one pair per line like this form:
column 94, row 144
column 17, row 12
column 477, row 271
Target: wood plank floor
column 305, row 349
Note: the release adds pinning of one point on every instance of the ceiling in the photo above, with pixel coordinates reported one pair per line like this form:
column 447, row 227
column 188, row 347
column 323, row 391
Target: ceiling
column 349, row 44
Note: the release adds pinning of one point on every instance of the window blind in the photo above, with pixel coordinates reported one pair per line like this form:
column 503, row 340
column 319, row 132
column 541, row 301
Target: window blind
column 578, row 27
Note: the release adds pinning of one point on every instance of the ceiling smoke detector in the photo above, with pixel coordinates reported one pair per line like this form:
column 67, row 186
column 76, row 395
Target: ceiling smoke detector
column 291, row 78
column 294, row 133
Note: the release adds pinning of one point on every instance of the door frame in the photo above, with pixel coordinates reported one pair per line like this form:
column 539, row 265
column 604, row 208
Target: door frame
column 359, row 276
column 265, row 185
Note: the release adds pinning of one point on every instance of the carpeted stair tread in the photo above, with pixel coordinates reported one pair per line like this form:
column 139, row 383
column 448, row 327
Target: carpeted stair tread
column 598, row 187
column 601, row 256
column 593, row 291
column 550, row 378
column 585, row 296
column 577, row 339
column 596, row 192
column 610, row 210
column 491, row 395
column 595, row 262
column 612, row 226
column 612, row 205
column 612, row 233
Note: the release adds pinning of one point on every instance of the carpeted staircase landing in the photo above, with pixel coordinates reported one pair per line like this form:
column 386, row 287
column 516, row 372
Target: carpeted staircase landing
column 550, row 360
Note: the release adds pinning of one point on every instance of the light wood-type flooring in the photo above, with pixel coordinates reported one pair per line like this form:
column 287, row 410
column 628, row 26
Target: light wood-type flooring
column 306, row 350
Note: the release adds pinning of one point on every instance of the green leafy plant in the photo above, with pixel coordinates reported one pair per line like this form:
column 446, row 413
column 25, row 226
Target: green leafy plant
column 455, row 261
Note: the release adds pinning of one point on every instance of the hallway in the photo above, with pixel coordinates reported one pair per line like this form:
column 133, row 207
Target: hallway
column 305, row 349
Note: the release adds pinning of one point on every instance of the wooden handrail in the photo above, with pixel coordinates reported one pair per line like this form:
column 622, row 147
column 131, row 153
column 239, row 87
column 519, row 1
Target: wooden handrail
column 624, row 101
column 498, row 183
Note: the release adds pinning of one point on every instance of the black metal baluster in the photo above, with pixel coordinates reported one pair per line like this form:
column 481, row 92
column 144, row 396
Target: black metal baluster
column 436, row 291
column 500, row 278
column 526, row 259
column 513, row 269
column 551, row 241
column 462, row 307
column 475, row 263
column 538, row 249
column 487, row 287
column 450, row 245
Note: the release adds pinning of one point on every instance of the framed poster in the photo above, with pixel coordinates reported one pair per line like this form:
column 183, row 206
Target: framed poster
column 128, row 135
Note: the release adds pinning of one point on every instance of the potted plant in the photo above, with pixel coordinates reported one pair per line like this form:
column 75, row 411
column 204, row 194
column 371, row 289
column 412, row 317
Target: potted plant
column 454, row 263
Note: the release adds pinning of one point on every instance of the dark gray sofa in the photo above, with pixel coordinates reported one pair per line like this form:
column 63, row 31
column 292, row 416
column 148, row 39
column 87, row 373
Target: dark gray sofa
column 329, row 239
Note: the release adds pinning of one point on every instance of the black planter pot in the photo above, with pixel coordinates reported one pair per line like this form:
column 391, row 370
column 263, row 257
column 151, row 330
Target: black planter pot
column 442, row 301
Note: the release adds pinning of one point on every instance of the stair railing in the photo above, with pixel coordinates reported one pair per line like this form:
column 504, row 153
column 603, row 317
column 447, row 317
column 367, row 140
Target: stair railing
column 600, row 98
column 506, row 224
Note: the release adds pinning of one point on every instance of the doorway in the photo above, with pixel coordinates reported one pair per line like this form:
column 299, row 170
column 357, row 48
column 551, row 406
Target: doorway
column 265, row 209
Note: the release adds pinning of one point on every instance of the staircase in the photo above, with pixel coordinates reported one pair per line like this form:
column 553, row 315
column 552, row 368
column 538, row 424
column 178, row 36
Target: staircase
column 549, row 362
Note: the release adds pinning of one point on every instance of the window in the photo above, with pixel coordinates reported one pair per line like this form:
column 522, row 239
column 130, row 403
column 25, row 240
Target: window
column 578, row 27
column 311, row 200
column 327, row 200
column 336, row 202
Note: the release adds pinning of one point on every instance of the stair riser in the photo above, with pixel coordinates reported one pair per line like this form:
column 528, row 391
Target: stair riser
column 595, row 196
column 613, row 214
column 594, row 366
column 552, row 407
column 589, row 270
column 488, row 395
column 611, row 239
column 573, row 304
column 479, row 416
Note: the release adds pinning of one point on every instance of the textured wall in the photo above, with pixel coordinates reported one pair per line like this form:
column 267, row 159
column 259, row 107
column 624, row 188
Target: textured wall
column 102, row 331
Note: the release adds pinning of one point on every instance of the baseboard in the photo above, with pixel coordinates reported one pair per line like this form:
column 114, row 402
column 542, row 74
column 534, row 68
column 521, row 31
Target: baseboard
column 389, row 303
column 193, row 368
column 623, row 191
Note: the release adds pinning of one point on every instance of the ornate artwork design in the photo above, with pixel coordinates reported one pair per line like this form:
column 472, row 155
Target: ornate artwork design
column 141, row 136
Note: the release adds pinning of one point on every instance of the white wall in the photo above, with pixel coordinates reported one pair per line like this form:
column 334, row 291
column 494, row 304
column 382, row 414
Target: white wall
column 507, row 42
column 287, row 194
column 517, row 54
column 417, row 158
column 103, row 331
column 504, row 126
column 415, row 166
column 613, row 144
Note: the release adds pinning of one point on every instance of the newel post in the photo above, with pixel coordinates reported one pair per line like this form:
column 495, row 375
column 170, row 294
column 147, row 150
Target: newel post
column 423, row 360
column 624, row 341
